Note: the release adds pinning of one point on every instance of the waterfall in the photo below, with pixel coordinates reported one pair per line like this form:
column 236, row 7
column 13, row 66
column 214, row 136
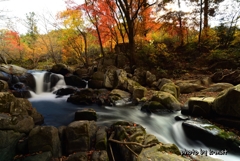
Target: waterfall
column 47, row 82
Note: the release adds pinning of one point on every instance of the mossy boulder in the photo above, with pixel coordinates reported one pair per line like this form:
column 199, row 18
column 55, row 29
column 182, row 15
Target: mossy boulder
column 211, row 134
column 167, row 100
column 172, row 89
column 227, row 103
column 7, row 101
column 153, row 106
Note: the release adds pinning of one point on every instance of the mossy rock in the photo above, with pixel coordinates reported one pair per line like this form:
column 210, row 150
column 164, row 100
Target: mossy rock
column 172, row 89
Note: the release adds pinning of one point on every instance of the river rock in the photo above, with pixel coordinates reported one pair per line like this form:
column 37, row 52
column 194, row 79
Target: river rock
column 227, row 76
column 189, row 86
column 13, row 69
column 218, row 87
column 60, row 69
column 100, row 155
column 5, row 76
column 211, row 135
column 150, row 78
column 172, row 89
column 64, row 91
column 139, row 76
column 131, row 132
column 3, row 86
column 154, row 106
column 161, row 82
column 75, row 81
column 97, row 80
column 82, row 97
column 79, row 136
column 200, row 106
column 119, row 97
column 110, row 77
column 167, row 100
column 9, row 140
column 86, row 114
column 20, row 90
column 158, row 152
column 227, row 103
column 29, row 81
column 44, row 138
column 20, row 123
column 101, row 138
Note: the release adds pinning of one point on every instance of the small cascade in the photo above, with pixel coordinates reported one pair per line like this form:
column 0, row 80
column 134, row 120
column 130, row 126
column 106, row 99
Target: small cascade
column 47, row 82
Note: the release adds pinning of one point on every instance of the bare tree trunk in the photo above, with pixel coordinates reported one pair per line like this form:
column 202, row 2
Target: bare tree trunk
column 200, row 23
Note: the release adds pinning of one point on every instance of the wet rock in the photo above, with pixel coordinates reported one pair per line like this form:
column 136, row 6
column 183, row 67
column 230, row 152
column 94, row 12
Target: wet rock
column 211, row 135
column 139, row 92
column 79, row 136
column 181, row 117
column 20, row 90
column 227, row 103
column 13, row 69
column 119, row 97
column 60, row 69
column 8, row 140
column 167, row 100
column 75, row 81
column 64, row 91
column 86, row 114
column 101, row 138
column 154, row 106
column 29, row 80
column 44, row 138
column 82, row 97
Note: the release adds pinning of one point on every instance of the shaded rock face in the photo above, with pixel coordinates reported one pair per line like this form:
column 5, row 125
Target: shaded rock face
column 9, row 140
column 211, row 135
column 44, row 138
column 199, row 106
column 60, row 69
column 97, row 80
column 29, row 80
column 227, row 103
column 227, row 76
column 86, row 114
column 75, row 81
column 79, row 136
column 189, row 86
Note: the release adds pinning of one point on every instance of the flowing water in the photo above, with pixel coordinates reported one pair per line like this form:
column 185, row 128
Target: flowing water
column 58, row 112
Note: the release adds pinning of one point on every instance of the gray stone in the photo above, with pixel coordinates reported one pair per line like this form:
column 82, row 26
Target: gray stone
column 9, row 140
column 227, row 103
column 44, row 138
column 218, row 87
column 101, row 138
column 79, row 135
column 86, row 114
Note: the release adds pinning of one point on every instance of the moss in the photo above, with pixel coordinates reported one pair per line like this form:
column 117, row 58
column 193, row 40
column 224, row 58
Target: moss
column 171, row 148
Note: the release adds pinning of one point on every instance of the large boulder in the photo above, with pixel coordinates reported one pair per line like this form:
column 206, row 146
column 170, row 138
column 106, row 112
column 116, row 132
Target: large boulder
column 60, row 69
column 227, row 76
column 9, row 140
column 167, row 100
column 110, row 77
column 82, row 97
column 150, row 78
column 97, row 80
column 227, row 103
column 199, row 106
column 7, row 101
column 75, row 81
column 139, row 76
column 29, row 81
column 79, row 136
column 20, row 123
column 211, row 135
column 13, row 69
column 189, row 86
column 44, row 138
column 172, row 89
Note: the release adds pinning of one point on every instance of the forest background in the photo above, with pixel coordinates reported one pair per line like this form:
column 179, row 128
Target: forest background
column 168, row 37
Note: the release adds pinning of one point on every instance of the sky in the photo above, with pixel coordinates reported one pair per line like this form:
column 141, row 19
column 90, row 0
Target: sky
column 17, row 9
